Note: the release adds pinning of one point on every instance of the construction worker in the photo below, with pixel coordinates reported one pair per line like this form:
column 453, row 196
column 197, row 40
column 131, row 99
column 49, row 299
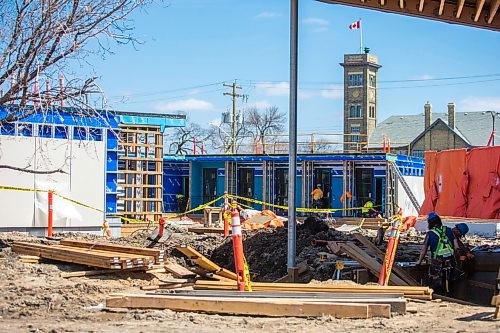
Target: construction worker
column 442, row 243
column 367, row 209
column 317, row 195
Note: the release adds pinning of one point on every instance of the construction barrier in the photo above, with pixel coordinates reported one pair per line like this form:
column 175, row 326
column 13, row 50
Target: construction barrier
column 463, row 183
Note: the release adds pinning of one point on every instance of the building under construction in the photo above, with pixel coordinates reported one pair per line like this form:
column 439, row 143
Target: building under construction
column 347, row 180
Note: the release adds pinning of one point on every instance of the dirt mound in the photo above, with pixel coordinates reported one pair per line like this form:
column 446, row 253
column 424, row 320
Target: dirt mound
column 266, row 251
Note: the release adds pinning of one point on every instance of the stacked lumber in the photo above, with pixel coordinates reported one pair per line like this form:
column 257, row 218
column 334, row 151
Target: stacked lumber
column 423, row 293
column 94, row 256
column 272, row 305
column 158, row 255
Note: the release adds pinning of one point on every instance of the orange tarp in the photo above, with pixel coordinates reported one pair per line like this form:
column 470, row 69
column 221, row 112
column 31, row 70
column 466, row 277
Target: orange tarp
column 461, row 183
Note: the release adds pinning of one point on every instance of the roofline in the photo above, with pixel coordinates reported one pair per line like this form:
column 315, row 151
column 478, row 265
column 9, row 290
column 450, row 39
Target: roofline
column 433, row 125
column 70, row 110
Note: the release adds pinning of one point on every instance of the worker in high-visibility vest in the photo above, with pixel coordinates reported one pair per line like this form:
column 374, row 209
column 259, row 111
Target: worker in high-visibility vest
column 367, row 209
column 317, row 195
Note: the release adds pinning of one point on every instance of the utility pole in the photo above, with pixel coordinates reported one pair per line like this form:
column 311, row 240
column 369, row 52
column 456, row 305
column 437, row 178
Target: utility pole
column 234, row 95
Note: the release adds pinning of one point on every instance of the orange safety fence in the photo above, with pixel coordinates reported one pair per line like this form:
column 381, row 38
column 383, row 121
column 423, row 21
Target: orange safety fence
column 461, row 183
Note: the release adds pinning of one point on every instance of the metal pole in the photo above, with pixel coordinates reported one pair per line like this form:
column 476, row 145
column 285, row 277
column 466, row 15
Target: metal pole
column 493, row 114
column 50, row 201
column 233, row 149
column 292, row 138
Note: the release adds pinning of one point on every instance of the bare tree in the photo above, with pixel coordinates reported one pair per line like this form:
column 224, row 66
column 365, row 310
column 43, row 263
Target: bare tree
column 41, row 39
column 221, row 137
column 184, row 139
column 260, row 124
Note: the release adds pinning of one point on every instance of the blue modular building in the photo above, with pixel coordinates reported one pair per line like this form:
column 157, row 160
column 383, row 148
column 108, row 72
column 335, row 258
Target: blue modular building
column 347, row 180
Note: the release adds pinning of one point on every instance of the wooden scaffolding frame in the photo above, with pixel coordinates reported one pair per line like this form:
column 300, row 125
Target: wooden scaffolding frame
column 141, row 171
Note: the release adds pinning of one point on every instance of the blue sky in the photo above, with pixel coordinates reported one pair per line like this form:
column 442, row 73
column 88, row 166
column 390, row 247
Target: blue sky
column 191, row 46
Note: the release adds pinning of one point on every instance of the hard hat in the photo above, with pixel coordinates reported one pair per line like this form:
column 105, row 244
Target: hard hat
column 432, row 215
column 319, row 185
column 463, row 228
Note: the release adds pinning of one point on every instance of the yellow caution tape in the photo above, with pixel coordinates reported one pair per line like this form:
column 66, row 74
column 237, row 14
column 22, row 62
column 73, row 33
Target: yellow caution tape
column 248, row 283
column 300, row 209
column 14, row 188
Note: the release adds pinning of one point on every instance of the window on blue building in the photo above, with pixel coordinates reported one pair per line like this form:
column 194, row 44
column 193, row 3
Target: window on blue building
column 24, row 129
column 8, row 129
column 79, row 133
column 45, row 131
column 95, row 134
column 61, row 132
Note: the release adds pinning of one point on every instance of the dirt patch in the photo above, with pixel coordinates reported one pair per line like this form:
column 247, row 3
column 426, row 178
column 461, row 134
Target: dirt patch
column 34, row 298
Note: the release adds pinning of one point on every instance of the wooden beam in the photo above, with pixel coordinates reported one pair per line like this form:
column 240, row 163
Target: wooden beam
column 205, row 263
column 368, row 262
column 441, row 7
column 494, row 4
column 269, row 307
column 479, row 9
column 417, row 292
column 382, row 2
column 401, row 4
column 179, row 271
column 381, row 255
column 421, row 6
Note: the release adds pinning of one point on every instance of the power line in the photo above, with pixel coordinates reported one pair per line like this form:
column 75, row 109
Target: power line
column 142, row 94
column 255, row 82
column 169, row 98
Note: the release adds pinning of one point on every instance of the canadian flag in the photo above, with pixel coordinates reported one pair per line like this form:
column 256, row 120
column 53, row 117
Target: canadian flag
column 355, row 25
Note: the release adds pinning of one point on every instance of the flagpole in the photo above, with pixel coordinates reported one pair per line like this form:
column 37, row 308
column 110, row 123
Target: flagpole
column 360, row 37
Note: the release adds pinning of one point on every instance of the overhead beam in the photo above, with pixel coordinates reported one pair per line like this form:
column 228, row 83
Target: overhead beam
column 421, row 6
column 460, row 13
column 441, row 8
column 460, row 7
column 493, row 10
column 479, row 9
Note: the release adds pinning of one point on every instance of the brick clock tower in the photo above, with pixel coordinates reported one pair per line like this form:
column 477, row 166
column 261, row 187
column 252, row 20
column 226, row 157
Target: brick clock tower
column 360, row 99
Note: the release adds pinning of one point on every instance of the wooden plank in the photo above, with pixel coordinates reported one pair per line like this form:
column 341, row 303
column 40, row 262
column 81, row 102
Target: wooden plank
column 256, row 307
column 205, row 263
column 204, row 230
column 97, row 258
column 396, row 301
column 381, row 255
column 99, row 272
column 179, row 271
column 368, row 262
column 159, row 255
column 423, row 293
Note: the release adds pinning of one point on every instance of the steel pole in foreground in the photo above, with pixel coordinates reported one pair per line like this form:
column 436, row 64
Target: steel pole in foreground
column 292, row 146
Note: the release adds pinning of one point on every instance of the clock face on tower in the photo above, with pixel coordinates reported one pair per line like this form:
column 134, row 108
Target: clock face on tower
column 355, row 93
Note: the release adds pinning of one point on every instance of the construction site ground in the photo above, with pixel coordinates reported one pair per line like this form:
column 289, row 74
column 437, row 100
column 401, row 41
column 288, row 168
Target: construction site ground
column 35, row 298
